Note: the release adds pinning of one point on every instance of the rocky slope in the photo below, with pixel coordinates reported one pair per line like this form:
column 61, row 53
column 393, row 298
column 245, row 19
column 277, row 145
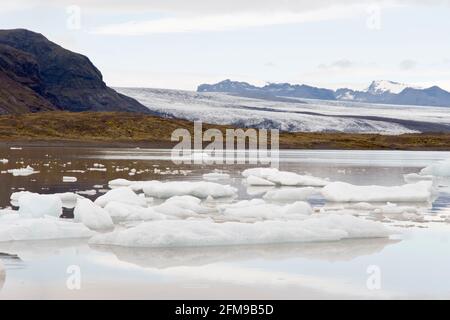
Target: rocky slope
column 39, row 75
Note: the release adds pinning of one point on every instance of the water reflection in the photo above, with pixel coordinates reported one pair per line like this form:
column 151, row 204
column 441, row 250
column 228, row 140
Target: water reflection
column 162, row 258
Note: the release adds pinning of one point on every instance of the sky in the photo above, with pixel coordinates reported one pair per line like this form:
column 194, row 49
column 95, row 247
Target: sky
column 179, row 44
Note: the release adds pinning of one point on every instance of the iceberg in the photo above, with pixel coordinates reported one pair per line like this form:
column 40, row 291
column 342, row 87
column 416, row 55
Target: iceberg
column 125, row 212
column 258, row 209
column 197, row 233
column 22, row 171
column 215, row 176
column 182, row 207
column 286, row 194
column 440, row 169
column 14, row 227
column 121, row 194
column 283, row 178
column 92, row 216
column 199, row 189
column 35, row 205
column 345, row 192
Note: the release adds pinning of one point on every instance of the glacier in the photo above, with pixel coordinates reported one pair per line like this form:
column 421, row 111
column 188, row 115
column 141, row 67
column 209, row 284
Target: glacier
column 291, row 114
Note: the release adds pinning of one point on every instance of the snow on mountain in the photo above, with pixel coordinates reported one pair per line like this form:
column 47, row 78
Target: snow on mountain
column 293, row 114
column 383, row 86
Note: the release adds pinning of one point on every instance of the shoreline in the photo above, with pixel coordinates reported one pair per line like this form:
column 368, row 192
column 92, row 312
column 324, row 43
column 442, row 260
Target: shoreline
column 131, row 130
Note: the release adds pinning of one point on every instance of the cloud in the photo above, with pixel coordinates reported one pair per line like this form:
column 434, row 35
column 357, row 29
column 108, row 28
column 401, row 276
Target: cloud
column 407, row 64
column 225, row 22
column 338, row 64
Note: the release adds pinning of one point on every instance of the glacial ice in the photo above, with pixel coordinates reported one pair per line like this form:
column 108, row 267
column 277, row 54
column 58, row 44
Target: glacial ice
column 345, row 192
column 122, row 194
column 125, row 212
column 414, row 177
column 69, row 179
column 4, row 161
column 22, row 171
column 189, row 233
column 200, row 189
column 182, row 207
column 257, row 181
column 286, row 194
column 440, row 169
column 92, row 216
column 215, row 176
column 15, row 227
column 258, row 209
column 35, row 205
column 283, row 178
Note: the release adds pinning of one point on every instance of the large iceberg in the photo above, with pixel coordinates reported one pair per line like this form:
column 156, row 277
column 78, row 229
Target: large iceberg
column 345, row 192
column 15, row 227
column 191, row 233
column 283, row 178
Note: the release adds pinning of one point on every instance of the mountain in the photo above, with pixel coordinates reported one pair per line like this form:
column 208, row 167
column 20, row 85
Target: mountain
column 380, row 91
column 269, row 90
column 39, row 75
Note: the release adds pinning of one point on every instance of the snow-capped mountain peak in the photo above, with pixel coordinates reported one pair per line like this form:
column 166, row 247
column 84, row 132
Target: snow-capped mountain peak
column 386, row 86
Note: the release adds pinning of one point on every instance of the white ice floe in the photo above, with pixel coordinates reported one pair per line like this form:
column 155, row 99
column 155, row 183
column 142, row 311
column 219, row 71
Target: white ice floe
column 14, row 227
column 441, row 169
column 22, row 171
column 284, row 178
column 35, row 205
column 120, row 183
column 258, row 209
column 257, row 181
column 126, row 212
column 392, row 208
column 414, row 177
column 286, row 194
column 69, row 179
column 122, row 194
column 91, row 192
column 4, row 161
column 92, row 216
column 216, row 176
column 345, row 192
column 199, row 189
column 191, row 233
column 182, row 207
column 68, row 198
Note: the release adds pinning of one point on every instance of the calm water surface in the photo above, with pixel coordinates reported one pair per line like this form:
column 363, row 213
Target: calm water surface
column 411, row 264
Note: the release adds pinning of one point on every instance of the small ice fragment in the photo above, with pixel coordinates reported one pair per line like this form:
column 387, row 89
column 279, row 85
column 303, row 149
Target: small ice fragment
column 92, row 216
column 69, row 179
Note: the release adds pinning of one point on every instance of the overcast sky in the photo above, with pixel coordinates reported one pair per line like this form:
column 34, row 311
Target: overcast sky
column 182, row 43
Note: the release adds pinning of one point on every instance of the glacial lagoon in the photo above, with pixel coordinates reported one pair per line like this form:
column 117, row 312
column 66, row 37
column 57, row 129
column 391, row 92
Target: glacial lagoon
column 412, row 262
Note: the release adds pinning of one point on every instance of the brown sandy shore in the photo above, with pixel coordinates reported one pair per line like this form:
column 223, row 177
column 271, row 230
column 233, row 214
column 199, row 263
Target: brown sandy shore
column 111, row 129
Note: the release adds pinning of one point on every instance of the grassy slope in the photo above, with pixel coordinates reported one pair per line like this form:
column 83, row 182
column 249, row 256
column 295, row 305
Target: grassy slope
column 135, row 129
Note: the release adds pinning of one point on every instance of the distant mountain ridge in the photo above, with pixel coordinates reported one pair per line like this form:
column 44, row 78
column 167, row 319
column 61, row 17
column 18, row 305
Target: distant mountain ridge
column 39, row 75
column 381, row 91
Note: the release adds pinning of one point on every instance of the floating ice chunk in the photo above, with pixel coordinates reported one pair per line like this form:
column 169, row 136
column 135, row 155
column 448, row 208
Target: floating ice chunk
column 441, row 169
column 22, row 171
column 69, row 179
column 193, row 233
column 257, row 181
column 200, row 189
column 392, row 208
column 120, row 183
column 414, row 177
column 68, row 198
column 182, row 207
column 4, row 161
column 258, row 209
column 285, row 178
column 286, row 194
column 216, row 176
column 345, row 192
column 125, row 212
column 92, row 192
column 39, row 205
column 92, row 216
column 15, row 148
column 122, row 194
column 15, row 227
column 97, row 169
